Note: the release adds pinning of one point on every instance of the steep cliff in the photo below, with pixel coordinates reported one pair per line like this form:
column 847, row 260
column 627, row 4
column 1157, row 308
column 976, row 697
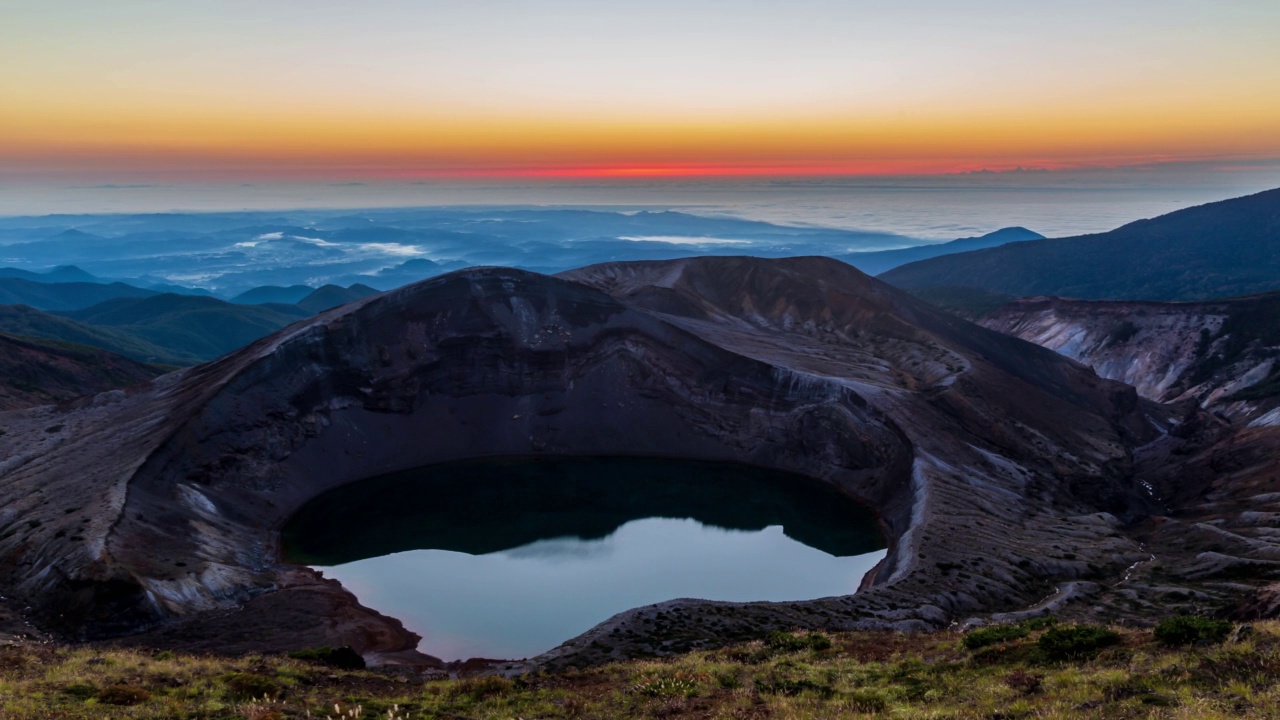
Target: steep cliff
column 1221, row 355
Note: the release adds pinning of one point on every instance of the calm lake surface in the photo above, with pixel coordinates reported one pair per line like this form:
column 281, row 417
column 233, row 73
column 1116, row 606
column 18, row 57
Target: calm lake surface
column 509, row 558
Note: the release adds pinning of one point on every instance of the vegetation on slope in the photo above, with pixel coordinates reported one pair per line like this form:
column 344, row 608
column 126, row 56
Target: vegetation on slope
column 1040, row 670
column 37, row 372
column 970, row 303
column 63, row 296
column 168, row 328
column 331, row 296
column 32, row 323
column 200, row 327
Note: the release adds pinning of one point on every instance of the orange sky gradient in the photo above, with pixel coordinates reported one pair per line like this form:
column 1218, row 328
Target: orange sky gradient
column 554, row 90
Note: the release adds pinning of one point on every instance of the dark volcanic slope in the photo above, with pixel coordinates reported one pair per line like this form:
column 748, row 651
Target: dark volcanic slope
column 1000, row 469
column 1217, row 250
column 34, row 372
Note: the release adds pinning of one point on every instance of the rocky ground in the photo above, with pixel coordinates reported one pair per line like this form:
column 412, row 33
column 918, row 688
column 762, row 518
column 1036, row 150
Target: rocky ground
column 1220, row 355
column 1010, row 481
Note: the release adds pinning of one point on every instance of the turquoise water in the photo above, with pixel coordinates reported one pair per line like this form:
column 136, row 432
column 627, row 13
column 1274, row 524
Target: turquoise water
column 507, row 559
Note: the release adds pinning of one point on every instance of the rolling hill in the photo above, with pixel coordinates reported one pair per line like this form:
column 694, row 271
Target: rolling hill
column 64, row 295
column 31, row 323
column 273, row 294
column 202, row 328
column 39, row 372
column 60, row 274
column 331, row 296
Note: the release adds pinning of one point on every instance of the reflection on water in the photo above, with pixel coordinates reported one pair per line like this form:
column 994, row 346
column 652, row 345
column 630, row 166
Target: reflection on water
column 509, row 558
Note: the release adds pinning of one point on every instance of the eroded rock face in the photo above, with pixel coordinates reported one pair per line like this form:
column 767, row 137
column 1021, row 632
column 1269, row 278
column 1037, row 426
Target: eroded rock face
column 1002, row 472
column 1220, row 355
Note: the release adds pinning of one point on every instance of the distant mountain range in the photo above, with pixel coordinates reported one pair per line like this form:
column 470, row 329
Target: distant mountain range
column 158, row 327
column 233, row 253
column 64, row 295
column 291, row 295
column 874, row 263
column 1217, row 250
column 332, row 296
column 199, row 327
column 60, row 274
column 20, row 320
column 130, row 305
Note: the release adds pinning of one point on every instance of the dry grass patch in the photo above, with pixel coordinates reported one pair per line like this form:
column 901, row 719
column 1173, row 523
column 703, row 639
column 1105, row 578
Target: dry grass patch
column 791, row 677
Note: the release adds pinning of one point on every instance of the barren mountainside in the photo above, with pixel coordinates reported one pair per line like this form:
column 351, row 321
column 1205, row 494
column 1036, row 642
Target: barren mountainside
column 1221, row 354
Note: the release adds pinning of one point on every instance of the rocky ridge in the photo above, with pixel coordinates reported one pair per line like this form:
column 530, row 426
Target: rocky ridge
column 1221, row 355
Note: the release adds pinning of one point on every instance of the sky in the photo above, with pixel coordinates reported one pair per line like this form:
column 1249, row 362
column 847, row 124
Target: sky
column 233, row 90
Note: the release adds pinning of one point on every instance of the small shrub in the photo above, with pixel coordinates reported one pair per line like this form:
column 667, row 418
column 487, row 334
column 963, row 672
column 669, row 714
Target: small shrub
column 573, row 707
column 791, row 687
column 995, row 634
column 1024, row 682
column 13, row 658
column 818, row 642
column 785, row 642
column 1039, row 623
column 343, row 658
column 867, row 701
column 82, row 691
column 728, row 680
column 780, row 641
column 1129, row 687
column 121, row 695
column 983, row 637
column 261, row 710
column 677, row 686
column 477, row 689
column 249, row 686
column 1191, row 630
column 1076, row 641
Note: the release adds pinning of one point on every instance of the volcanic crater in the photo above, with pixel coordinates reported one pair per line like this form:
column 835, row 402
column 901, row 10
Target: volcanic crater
column 1005, row 477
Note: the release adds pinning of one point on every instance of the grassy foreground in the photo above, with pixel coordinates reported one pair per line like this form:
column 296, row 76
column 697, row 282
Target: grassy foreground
column 1010, row 672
